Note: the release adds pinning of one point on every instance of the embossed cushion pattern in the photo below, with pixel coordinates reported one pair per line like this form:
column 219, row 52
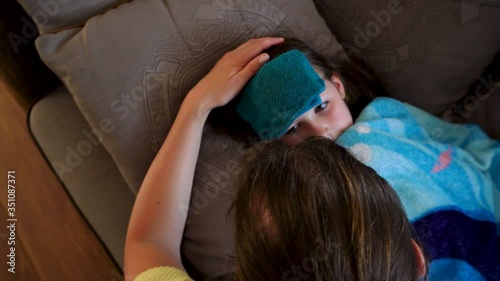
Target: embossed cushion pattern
column 427, row 52
column 128, row 71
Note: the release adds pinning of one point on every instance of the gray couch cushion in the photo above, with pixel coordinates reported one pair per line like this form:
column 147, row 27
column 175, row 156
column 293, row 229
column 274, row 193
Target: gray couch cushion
column 53, row 15
column 129, row 70
column 427, row 52
column 133, row 77
column 86, row 169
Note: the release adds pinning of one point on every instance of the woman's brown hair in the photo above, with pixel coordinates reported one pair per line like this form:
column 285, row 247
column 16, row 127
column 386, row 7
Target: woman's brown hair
column 360, row 83
column 314, row 212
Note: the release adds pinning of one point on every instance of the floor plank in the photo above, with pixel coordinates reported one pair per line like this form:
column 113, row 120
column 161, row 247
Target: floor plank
column 55, row 242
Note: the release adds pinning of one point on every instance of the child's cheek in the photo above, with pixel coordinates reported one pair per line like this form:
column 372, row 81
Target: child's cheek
column 340, row 117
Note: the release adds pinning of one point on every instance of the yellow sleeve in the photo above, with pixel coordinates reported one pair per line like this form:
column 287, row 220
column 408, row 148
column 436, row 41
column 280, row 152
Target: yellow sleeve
column 163, row 273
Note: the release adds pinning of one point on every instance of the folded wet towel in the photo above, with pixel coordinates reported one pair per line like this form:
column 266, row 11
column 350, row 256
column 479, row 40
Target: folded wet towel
column 282, row 90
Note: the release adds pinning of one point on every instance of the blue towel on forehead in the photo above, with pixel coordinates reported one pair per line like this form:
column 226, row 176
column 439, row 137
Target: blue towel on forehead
column 282, row 90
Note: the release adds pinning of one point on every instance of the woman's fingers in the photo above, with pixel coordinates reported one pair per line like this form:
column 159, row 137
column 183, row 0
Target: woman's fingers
column 242, row 77
column 232, row 72
column 253, row 47
column 249, row 59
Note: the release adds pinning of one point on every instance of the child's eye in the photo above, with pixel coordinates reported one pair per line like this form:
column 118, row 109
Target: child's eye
column 321, row 107
column 292, row 130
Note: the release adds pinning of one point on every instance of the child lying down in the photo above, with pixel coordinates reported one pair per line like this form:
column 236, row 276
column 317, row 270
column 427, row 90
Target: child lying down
column 447, row 177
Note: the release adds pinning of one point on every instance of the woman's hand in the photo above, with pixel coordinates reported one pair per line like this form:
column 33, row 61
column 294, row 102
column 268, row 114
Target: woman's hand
column 231, row 73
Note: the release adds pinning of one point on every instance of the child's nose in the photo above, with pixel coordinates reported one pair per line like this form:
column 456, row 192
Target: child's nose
column 321, row 130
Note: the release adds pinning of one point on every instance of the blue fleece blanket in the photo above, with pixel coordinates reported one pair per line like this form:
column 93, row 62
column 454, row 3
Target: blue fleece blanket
column 448, row 178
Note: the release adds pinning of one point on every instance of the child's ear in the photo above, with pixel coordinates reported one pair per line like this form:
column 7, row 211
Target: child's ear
column 338, row 84
column 422, row 267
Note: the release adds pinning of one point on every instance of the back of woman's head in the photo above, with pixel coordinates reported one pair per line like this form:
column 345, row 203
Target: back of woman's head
column 360, row 83
column 314, row 212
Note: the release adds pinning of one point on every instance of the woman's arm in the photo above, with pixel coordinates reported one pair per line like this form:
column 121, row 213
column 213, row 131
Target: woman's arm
column 157, row 222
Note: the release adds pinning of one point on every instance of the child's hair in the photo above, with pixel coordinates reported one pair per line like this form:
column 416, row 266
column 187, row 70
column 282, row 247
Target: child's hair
column 360, row 83
column 314, row 212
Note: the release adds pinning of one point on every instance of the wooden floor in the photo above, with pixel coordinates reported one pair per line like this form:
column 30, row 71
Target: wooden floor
column 52, row 240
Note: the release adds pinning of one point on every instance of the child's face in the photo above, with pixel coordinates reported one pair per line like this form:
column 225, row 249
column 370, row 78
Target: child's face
column 328, row 119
